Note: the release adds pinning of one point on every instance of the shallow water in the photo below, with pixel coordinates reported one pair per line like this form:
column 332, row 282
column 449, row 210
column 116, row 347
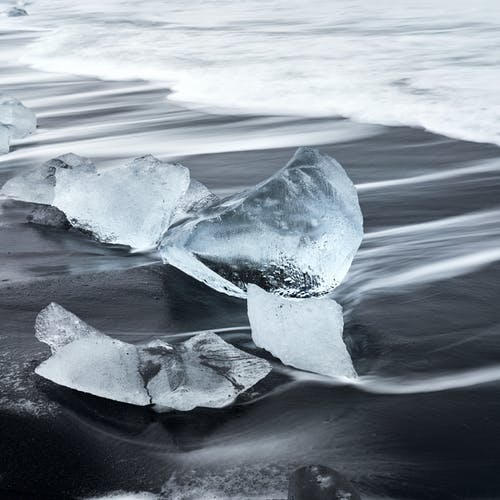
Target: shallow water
column 422, row 320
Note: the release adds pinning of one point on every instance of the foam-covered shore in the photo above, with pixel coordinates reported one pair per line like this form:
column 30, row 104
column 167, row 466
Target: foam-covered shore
column 400, row 63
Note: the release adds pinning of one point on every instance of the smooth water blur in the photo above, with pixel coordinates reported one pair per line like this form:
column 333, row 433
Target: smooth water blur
column 431, row 64
column 420, row 300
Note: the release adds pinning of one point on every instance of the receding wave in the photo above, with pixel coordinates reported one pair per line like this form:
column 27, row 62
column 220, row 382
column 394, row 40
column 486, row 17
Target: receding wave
column 408, row 65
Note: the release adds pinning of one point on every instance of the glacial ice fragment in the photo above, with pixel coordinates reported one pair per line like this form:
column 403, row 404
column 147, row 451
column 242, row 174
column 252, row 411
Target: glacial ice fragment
column 197, row 198
column 304, row 333
column 14, row 113
column 130, row 205
column 17, row 12
column 317, row 482
column 57, row 327
column 47, row 215
column 37, row 185
column 86, row 360
column 203, row 371
column 294, row 234
column 5, row 137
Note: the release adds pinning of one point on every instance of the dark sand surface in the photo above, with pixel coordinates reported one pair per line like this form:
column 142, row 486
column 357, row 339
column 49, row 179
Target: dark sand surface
column 404, row 319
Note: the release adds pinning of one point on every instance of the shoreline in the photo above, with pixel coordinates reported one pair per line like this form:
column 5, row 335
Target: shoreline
column 90, row 446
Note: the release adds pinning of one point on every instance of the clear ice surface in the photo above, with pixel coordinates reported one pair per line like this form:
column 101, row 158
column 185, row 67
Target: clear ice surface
column 203, row 371
column 196, row 198
column 37, row 185
column 294, row 234
column 129, row 205
column 304, row 333
column 14, row 113
column 5, row 136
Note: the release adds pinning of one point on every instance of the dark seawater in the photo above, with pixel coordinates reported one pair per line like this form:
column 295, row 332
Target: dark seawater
column 421, row 304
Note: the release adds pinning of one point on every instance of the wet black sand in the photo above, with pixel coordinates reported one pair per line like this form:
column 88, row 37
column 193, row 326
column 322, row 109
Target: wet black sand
column 58, row 443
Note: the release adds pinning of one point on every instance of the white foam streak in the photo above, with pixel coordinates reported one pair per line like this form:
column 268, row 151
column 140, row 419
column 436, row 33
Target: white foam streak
column 446, row 382
column 435, row 176
column 443, row 269
column 402, row 385
column 418, row 254
column 447, row 222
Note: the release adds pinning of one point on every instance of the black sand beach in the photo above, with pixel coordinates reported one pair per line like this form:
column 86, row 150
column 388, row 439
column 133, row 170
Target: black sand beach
column 422, row 319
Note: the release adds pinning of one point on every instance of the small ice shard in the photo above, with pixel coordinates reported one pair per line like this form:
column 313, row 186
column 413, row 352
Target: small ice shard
column 86, row 360
column 294, row 234
column 203, row 371
column 197, row 198
column 47, row 215
column 16, row 12
column 5, row 137
column 37, row 185
column 317, row 482
column 304, row 333
column 57, row 327
column 14, row 113
column 129, row 205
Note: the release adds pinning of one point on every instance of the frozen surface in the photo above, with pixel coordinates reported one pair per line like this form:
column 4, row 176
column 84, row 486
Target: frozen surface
column 203, row 371
column 294, row 234
column 37, row 185
column 86, row 360
column 130, row 205
column 57, row 327
column 5, row 136
column 13, row 112
column 197, row 198
column 101, row 366
column 304, row 333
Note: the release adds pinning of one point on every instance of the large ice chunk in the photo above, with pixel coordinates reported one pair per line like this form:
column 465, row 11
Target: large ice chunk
column 37, row 185
column 294, row 234
column 130, row 205
column 304, row 333
column 14, row 113
column 133, row 204
column 203, row 371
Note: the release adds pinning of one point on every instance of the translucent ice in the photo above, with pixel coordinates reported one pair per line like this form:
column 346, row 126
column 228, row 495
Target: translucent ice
column 86, row 360
column 22, row 119
column 197, row 198
column 37, row 185
column 203, row 371
column 133, row 204
column 5, row 136
column 130, row 205
column 294, row 234
column 304, row 333
column 57, row 327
